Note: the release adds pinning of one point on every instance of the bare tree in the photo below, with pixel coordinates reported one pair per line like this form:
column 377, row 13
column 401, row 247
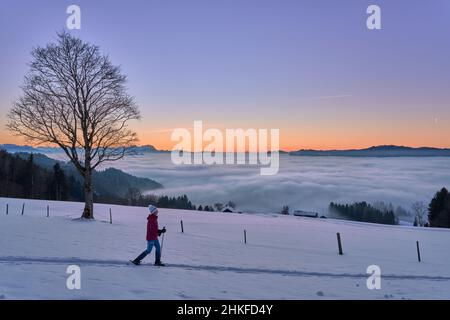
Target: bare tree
column 419, row 211
column 73, row 97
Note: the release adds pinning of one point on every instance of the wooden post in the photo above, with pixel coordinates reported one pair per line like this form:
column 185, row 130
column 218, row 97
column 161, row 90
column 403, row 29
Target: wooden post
column 182, row 228
column 418, row 251
column 7, row 209
column 23, row 208
column 48, row 211
column 245, row 236
column 110, row 216
column 339, row 243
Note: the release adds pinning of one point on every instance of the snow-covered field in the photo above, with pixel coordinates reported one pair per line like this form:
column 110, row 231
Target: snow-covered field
column 285, row 258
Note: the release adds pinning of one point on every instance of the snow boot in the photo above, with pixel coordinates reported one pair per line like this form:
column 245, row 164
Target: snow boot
column 136, row 262
column 159, row 263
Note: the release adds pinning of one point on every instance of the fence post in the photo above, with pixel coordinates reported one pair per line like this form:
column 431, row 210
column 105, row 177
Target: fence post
column 7, row 209
column 339, row 243
column 245, row 236
column 418, row 251
column 23, row 208
column 48, row 211
column 182, row 228
column 110, row 216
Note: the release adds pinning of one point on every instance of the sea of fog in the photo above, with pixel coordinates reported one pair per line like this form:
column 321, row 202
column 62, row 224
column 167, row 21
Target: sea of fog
column 302, row 183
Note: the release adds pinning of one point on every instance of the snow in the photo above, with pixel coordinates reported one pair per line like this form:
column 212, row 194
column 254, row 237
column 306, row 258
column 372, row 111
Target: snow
column 285, row 257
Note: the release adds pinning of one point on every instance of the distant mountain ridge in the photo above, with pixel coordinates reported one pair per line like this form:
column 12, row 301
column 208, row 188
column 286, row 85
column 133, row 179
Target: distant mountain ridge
column 374, row 151
column 378, row 151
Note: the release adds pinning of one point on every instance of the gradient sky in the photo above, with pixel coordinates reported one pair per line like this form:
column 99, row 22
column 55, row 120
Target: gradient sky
column 310, row 68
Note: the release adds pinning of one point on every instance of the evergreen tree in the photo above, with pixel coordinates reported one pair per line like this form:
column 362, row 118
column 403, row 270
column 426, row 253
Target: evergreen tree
column 362, row 211
column 28, row 177
column 60, row 183
column 439, row 210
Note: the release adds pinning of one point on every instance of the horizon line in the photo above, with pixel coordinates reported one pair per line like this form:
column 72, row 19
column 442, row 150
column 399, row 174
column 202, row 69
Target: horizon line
column 247, row 151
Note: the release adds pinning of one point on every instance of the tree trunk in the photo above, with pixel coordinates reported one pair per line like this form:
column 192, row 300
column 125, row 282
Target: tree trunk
column 88, row 212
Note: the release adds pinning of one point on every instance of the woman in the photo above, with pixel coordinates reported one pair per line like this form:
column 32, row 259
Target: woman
column 152, row 237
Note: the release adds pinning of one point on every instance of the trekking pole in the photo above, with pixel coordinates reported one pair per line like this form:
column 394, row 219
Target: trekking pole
column 162, row 242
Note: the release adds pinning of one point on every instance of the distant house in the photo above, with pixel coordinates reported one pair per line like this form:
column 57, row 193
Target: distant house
column 309, row 214
column 228, row 209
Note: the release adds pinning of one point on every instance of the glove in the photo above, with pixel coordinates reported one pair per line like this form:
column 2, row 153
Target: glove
column 163, row 230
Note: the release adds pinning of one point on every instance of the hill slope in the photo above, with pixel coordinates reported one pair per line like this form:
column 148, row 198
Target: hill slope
column 286, row 257
column 108, row 181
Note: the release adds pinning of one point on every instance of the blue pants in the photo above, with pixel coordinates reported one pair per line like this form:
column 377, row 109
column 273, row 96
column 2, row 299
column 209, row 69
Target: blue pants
column 150, row 245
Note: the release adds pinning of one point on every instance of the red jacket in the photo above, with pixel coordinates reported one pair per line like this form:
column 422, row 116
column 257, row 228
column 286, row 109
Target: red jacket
column 152, row 227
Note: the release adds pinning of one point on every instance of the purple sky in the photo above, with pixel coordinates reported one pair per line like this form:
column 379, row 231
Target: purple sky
column 310, row 68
